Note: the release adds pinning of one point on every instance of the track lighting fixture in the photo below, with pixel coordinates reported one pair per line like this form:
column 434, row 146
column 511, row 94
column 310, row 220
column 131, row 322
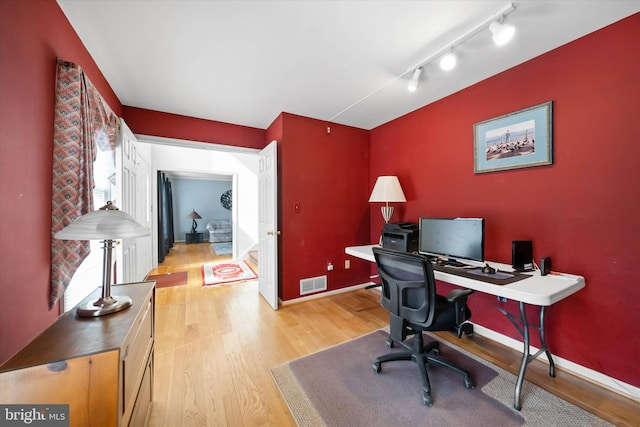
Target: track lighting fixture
column 448, row 62
column 495, row 23
column 502, row 32
column 413, row 84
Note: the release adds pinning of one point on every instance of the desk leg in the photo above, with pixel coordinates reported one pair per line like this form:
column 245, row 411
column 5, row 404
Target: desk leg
column 543, row 344
column 526, row 356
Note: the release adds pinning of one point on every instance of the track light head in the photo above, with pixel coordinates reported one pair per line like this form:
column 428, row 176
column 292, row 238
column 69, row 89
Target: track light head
column 413, row 84
column 448, row 62
column 502, row 32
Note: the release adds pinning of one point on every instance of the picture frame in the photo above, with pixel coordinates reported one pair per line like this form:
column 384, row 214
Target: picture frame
column 516, row 140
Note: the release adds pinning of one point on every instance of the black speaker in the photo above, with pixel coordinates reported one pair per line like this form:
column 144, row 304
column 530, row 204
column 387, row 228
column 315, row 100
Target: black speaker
column 522, row 255
column 545, row 266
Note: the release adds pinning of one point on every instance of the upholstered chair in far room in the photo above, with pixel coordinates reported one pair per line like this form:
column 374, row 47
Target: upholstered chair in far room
column 219, row 230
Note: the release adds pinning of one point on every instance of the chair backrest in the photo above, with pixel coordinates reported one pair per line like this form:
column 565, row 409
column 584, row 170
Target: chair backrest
column 408, row 286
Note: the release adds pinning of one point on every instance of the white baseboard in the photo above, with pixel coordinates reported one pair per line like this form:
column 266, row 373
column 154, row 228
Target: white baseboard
column 324, row 294
column 596, row 377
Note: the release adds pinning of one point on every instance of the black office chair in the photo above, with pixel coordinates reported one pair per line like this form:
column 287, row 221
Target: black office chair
column 409, row 294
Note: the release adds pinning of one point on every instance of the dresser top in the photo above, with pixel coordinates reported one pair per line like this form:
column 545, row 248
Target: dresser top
column 72, row 336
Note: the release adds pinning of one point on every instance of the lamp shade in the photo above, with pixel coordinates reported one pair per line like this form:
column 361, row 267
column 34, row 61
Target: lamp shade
column 387, row 189
column 194, row 215
column 106, row 223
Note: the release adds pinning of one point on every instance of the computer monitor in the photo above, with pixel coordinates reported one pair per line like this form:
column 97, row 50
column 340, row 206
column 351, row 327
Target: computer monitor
column 453, row 238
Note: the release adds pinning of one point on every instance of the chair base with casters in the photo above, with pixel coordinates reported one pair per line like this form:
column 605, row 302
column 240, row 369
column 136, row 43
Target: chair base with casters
column 409, row 295
column 422, row 354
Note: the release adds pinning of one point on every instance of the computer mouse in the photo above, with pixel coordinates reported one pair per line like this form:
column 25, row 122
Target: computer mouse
column 488, row 269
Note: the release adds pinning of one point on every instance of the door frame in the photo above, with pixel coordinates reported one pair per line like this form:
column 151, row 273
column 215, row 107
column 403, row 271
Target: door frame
column 180, row 143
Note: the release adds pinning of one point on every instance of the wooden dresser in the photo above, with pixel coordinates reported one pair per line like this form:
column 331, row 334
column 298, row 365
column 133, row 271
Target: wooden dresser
column 102, row 367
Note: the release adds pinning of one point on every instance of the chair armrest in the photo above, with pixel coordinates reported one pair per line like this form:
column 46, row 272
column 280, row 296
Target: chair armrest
column 456, row 294
column 459, row 298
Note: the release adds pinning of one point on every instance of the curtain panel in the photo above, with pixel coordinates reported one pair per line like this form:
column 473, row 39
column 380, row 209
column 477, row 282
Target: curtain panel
column 83, row 122
column 165, row 216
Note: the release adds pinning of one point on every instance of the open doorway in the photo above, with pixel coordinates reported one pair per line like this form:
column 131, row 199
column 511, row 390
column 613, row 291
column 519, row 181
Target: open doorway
column 202, row 161
column 194, row 207
column 245, row 165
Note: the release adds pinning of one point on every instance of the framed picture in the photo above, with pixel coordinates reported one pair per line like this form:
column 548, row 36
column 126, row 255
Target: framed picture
column 517, row 140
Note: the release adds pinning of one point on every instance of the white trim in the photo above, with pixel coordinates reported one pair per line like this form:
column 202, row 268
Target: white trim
column 195, row 144
column 596, row 377
column 324, row 294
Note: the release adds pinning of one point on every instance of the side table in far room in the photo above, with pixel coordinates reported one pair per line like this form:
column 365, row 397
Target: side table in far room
column 194, row 237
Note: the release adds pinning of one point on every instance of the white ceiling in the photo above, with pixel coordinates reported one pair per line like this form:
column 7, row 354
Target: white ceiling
column 245, row 62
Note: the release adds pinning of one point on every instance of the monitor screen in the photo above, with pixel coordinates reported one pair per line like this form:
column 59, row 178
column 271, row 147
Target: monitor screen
column 454, row 238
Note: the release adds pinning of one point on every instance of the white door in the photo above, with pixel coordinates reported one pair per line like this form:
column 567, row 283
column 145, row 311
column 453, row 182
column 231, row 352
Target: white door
column 144, row 261
column 133, row 197
column 268, row 223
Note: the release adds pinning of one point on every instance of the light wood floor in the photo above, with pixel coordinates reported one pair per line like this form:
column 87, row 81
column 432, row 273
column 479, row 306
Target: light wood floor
column 214, row 348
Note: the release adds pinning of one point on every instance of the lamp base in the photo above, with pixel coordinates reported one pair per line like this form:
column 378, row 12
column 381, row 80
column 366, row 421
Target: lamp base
column 387, row 211
column 103, row 306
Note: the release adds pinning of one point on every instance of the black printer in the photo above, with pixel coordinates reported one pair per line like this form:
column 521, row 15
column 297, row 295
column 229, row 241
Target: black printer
column 401, row 236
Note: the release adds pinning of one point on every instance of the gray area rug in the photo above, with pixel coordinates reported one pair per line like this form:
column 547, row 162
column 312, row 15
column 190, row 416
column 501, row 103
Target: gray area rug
column 337, row 387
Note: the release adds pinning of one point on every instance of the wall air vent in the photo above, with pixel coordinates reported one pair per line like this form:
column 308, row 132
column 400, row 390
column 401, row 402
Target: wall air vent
column 313, row 284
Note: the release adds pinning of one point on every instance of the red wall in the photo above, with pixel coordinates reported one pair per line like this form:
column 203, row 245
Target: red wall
column 32, row 35
column 325, row 173
column 583, row 211
column 156, row 123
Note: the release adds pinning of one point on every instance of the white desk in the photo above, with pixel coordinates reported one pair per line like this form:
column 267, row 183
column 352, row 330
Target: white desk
column 537, row 290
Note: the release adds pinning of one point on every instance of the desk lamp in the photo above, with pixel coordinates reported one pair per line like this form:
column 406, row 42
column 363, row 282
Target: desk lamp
column 194, row 215
column 387, row 189
column 107, row 224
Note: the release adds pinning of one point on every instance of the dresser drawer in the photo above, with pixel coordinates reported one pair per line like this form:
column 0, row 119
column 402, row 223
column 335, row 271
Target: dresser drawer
column 143, row 402
column 135, row 352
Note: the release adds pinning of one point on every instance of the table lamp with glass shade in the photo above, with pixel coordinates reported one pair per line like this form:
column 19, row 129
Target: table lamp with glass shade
column 387, row 189
column 107, row 224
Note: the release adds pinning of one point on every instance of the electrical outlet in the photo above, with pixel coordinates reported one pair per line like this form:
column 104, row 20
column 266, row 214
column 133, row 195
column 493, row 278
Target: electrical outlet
column 329, row 266
column 347, row 264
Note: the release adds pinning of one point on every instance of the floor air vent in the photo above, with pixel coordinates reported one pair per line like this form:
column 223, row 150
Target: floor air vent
column 313, row 284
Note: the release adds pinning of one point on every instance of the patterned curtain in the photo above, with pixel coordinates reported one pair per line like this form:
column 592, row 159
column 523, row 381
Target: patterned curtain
column 82, row 122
